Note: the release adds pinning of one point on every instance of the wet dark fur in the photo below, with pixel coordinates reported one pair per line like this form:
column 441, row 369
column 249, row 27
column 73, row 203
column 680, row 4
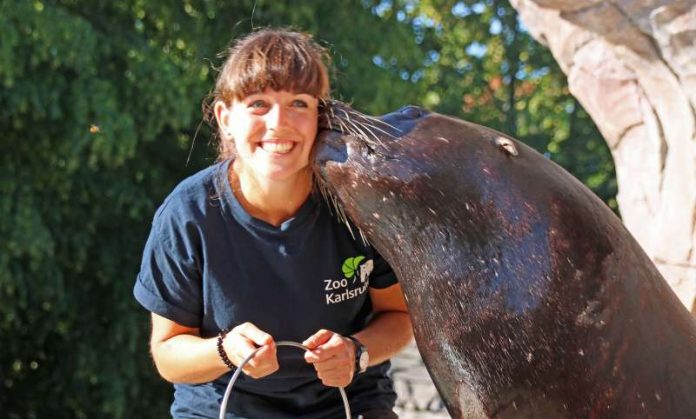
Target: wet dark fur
column 528, row 296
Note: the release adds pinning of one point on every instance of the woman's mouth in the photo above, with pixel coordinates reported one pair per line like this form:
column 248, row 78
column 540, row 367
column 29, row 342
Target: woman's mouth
column 277, row 147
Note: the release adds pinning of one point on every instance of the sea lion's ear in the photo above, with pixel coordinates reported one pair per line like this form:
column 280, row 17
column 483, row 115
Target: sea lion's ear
column 506, row 145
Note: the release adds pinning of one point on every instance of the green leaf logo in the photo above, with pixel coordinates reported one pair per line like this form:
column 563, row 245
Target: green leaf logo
column 351, row 265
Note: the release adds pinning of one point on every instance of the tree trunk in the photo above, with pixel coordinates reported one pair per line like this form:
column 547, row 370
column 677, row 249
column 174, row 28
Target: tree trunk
column 632, row 65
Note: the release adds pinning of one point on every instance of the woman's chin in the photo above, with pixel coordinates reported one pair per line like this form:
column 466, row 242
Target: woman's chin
column 283, row 174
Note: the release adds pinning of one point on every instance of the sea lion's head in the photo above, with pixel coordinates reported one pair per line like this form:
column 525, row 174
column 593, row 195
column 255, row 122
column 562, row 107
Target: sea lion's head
column 385, row 170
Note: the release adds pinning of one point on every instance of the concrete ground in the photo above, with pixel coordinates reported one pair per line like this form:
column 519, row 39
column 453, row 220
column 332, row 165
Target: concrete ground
column 417, row 397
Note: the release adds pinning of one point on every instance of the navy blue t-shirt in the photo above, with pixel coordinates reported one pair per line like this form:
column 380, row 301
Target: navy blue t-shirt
column 209, row 264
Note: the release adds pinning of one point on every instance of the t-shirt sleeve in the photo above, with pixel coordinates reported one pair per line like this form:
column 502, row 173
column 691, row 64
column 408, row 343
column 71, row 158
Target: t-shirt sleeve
column 382, row 275
column 169, row 281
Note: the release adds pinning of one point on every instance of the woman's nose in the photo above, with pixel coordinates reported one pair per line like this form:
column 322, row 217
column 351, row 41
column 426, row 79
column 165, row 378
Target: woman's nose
column 276, row 118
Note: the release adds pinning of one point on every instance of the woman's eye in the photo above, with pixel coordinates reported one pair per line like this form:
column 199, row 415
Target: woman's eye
column 257, row 104
column 299, row 103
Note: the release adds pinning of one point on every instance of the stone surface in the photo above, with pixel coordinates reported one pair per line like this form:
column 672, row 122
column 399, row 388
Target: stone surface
column 417, row 395
column 632, row 65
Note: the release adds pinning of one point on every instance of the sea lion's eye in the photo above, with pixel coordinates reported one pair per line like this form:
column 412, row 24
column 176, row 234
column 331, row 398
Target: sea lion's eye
column 506, row 145
column 412, row 112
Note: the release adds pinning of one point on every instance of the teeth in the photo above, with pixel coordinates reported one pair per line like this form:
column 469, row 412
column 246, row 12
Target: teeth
column 280, row 148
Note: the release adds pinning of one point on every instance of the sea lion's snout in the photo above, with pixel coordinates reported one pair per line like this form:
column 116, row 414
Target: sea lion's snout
column 330, row 147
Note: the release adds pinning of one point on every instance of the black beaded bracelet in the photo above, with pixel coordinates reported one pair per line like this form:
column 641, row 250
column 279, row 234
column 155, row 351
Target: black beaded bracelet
column 221, row 350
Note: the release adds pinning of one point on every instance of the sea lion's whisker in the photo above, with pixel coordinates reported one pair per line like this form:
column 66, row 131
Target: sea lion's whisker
column 329, row 122
column 369, row 131
column 333, row 114
column 373, row 119
column 378, row 129
column 370, row 121
column 344, row 219
column 346, row 113
column 355, row 124
column 323, row 189
column 362, row 236
column 339, row 210
column 343, row 126
column 362, row 135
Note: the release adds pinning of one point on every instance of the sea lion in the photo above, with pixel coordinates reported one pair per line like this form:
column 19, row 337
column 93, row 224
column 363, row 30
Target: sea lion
column 529, row 298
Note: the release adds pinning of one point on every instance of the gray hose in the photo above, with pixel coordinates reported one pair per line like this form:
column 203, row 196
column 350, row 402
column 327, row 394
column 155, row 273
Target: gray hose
column 228, row 391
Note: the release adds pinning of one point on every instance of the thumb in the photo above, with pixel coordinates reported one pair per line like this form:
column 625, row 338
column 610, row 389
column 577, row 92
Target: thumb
column 319, row 338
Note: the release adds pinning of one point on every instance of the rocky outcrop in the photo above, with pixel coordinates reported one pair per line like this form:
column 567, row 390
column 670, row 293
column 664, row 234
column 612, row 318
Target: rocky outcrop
column 632, row 65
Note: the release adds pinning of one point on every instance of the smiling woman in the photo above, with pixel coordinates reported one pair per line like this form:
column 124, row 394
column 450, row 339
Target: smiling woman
column 240, row 254
column 270, row 61
column 273, row 133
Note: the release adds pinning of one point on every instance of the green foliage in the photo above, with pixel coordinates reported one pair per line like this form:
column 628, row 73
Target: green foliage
column 99, row 110
column 82, row 118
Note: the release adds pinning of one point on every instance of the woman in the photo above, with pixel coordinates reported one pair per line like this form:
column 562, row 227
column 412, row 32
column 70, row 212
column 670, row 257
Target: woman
column 242, row 255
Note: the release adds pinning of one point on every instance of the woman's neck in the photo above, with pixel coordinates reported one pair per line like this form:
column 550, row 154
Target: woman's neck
column 271, row 201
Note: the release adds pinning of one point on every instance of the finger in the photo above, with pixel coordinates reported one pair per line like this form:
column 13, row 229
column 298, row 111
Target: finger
column 320, row 355
column 318, row 338
column 335, row 363
column 253, row 333
column 331, row 356
column 337, row 383
column 337, row 380
column 239, row 348
column 259, row 372
column 335, row 374
column 264, row 362
column 265, row 355
column 337, row 345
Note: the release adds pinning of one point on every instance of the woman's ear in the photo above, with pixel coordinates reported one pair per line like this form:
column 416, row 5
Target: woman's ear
column 223, row 117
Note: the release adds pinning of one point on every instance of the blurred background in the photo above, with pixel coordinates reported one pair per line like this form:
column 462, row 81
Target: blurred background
column 100, row 116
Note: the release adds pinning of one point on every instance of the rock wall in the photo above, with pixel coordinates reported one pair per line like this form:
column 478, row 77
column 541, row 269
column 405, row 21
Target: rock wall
column 632, row 65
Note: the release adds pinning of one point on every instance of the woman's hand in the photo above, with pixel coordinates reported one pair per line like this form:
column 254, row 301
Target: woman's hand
column 244, row 339
column 333, row 357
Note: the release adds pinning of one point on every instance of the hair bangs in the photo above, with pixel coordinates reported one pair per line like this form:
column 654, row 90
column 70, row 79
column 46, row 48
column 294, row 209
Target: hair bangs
column 277, row 63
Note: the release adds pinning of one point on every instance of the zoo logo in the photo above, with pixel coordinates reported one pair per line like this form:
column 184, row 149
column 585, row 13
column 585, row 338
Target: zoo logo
column 350, row 266
column 337, row 290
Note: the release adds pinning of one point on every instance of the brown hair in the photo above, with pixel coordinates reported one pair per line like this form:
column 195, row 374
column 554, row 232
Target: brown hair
column 278, row 59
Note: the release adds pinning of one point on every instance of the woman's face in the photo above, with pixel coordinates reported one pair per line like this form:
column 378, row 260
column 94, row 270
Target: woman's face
column 273, row 131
